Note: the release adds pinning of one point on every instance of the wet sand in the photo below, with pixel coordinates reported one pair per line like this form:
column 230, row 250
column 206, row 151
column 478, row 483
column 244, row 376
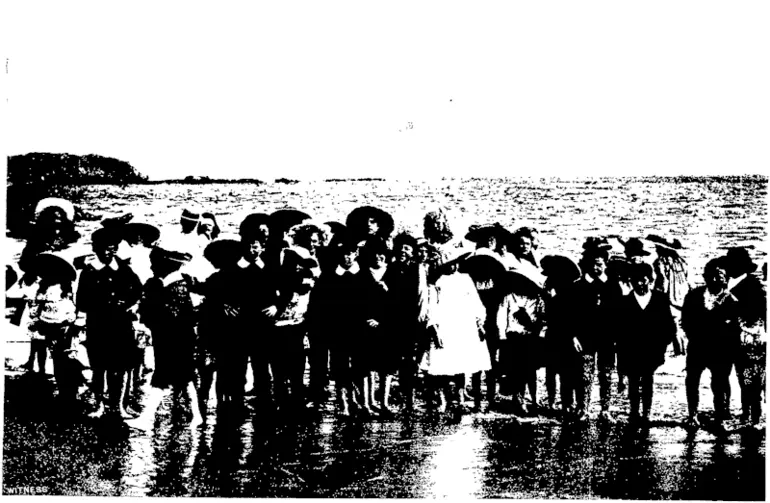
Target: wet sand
column 48, row 449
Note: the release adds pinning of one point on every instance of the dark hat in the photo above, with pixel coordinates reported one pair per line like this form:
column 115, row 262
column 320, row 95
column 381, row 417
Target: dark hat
column 223, row 252
column 358, row 219
column 251, row 226
column 672, row 244
column 190, row 215
column 282, row 220
column 518, row 284
column 52, row 268
column 139, row 231
column 634, row 247
column 342, row 241
column 483, row 268
column 478, row 233
column 335, row 227
column 739, row 262
column 594, row 243
column 107, row 236
column 170, row 255
column 560, row 268
column 404, row 238
column 117, row 221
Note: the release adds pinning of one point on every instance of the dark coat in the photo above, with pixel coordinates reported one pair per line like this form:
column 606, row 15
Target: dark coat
column 256, row 287
column 374, row 348
column 752, row 300
column 404, row 299
column 106, row 295
column 644, row 334
column 591, row 310
column 169, row 313
column 714, row 335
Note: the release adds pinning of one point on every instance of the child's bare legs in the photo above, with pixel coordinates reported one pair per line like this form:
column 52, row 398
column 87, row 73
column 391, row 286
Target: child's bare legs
column 385, row 385
column 97, row 387
column 371, row 378
column 192, row 395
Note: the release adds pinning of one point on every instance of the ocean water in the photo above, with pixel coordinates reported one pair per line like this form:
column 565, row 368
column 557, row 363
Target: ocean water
column 708, row 215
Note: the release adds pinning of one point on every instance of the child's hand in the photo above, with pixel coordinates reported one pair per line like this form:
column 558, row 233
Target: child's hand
column 373, row 323
column 270, row 312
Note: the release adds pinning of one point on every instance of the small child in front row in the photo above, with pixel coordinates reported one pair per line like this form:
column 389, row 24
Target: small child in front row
column 52, row 321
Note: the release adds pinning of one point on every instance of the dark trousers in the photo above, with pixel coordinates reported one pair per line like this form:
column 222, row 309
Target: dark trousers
column 751, row 369
column 605, row 364
column 720, row 382
column 640, row 387
column 288, row 363
column 259, row 360
column 577, row 379
column 318, row 359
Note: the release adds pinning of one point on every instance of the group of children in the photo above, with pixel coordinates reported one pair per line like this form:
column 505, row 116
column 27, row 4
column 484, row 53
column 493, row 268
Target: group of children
column 360, row 306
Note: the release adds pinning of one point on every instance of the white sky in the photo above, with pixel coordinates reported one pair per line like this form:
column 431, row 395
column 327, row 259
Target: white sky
column 326, row 89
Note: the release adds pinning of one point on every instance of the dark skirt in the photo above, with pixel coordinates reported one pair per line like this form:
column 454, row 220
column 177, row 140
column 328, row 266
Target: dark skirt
column 174, row 349
column 111, row 344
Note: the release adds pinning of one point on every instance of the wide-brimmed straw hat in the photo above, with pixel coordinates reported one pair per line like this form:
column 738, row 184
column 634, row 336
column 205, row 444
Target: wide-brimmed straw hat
column 106, row 236
column 635, row 247
column 671, row 244
column 140, row 231
column 56, row 202
column 117, row 221
column 252, row 225
column 179, row 257
column 483, row 268
column 358, row 220
column 477, row 233
column 560, row 268
column 519, row 284
column 594, row 243
column 282, row 220
column 223, row 252
column 739, row 262
column 51, row 267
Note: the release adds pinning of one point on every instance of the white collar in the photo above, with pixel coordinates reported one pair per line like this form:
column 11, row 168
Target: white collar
column 99, row 265
column 378, row 274
column 243, row 263
column 589, row 279
column 733, row 282
column 643, row 300
column 339, row 271
column 172, row 278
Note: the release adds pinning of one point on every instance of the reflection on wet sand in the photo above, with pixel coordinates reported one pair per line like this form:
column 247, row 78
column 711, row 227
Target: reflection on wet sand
column 316, row 454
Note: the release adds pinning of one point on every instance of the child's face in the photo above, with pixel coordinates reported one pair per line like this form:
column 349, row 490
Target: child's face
column 52, row 292
column 253, row 249
column 405, row 253
column 349, row 258
column 106, row 253
column 379, row 260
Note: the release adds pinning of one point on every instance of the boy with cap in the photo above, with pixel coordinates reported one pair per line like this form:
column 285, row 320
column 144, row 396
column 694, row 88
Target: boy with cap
column 108, row 295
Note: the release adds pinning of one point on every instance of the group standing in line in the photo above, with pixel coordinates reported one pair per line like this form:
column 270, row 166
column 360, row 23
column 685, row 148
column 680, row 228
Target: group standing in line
column 361, row 306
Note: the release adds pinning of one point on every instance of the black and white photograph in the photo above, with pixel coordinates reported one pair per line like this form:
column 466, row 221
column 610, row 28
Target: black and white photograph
column 411, row 250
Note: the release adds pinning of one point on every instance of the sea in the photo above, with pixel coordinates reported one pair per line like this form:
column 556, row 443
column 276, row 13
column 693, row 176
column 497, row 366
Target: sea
column 708, row 215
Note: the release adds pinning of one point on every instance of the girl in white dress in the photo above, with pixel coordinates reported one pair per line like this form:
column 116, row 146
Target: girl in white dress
column 453, row 312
